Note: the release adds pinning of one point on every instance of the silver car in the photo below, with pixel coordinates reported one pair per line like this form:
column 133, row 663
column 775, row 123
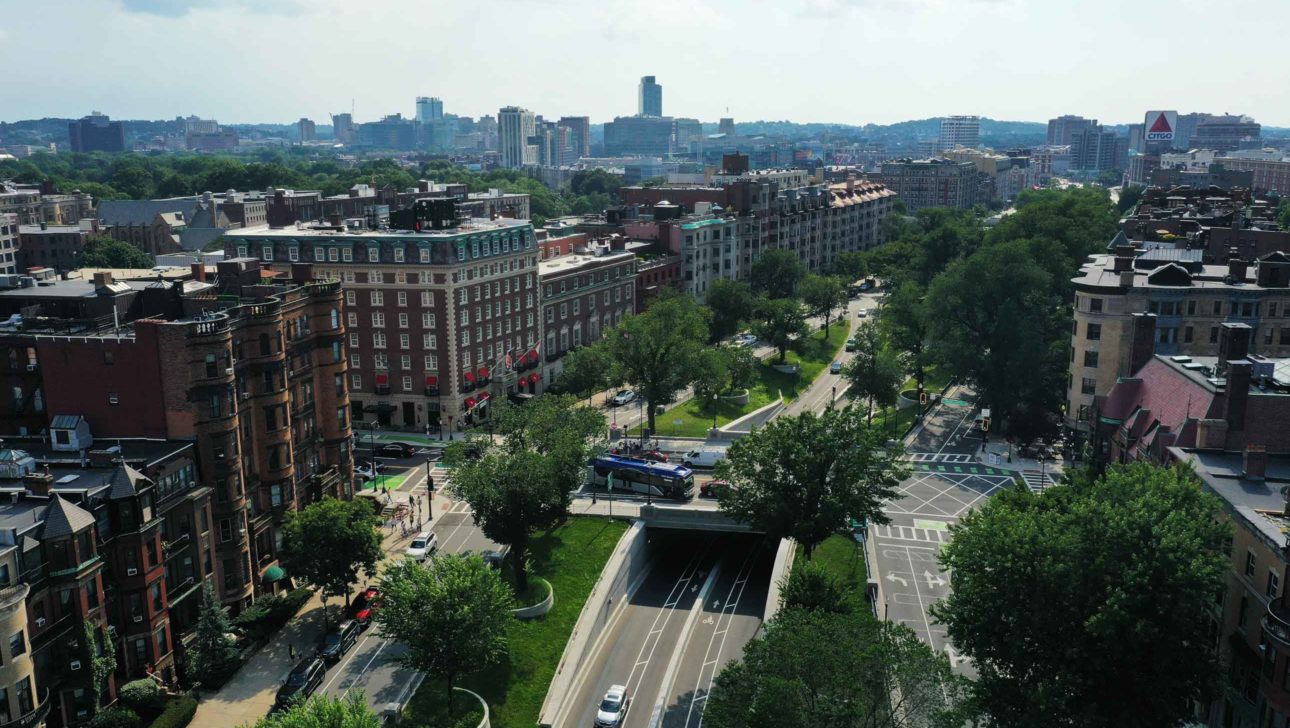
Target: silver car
column 613, row 708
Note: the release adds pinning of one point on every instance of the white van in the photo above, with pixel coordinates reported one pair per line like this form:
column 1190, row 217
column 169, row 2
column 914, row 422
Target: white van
column 703, row 457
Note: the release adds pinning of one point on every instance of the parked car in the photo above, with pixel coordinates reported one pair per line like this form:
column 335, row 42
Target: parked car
column 851, row 344
column 367, row 470
column 703, row 457
column 304, row 679
column 626, row 396
column 712, row 487
column 835, row 368
column 338, row 640
column 745, row 340
column 396, row 450
column 423, row 545
column 613, row 707
column 363, row 607
column 657, row 456
column 862, row 313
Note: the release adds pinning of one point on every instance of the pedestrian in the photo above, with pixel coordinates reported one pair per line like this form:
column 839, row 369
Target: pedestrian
column 291, row 651
column 430, row 482
column 593, row 499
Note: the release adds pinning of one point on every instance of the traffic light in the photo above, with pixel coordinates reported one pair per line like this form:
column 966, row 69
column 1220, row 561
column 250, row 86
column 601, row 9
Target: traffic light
column 985, row 424
column 922, row 398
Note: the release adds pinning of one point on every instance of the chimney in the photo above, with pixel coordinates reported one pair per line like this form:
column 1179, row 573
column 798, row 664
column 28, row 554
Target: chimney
column 1233, row 342
column 1143, row 344
column 1237, row 394
column 1122, row 262
column 39, row 483
column 1126, row 278
column 423, row 185
column 199, row 272
column 102, row 279
column 302, row 272
column 1236, row 268
column 851, row 183
column 1254, row 462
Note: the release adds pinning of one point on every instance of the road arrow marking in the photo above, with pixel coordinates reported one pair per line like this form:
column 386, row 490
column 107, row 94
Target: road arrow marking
column 955, row 657
column 933, row 580
column 893, row 578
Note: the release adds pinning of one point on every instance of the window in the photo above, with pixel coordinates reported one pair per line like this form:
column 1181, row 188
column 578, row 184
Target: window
column 1095, row 305
column 1191, row 308
column 550, row 314
column 407, row 384
column 405, row 361
column 427, row 320
column 351, row 299
column 378, row 320
column 1274, row 582
column 1187, row 335
column 353, row 341
column 17, row 644
column 374, row 255
column 1094, row 332
column 378, row 298
column 1218, row 308
column 355, row 381
column 429, row 341
column 403, row 320
column 355, row 361
column 398, row 254
column 425, row 255
column 427, row 299
column 1285, row 336
column 1213, row 334
column 351, row 319
column 1088, row 385
column 403, row 298
column 1249, row 563
column 293, row 254
column 378, row 340
column 1090, row 359
column 405, row 341
column 319, row 255
column 266, row 253
column 1272, row 309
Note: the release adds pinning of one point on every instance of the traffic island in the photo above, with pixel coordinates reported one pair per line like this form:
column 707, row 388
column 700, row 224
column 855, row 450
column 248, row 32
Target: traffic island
column 428, row 709
column 541, row 598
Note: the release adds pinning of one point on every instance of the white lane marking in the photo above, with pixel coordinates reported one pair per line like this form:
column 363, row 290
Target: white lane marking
column 728, row 614
column 665, row 614
column 922, row 608
column 678, row 649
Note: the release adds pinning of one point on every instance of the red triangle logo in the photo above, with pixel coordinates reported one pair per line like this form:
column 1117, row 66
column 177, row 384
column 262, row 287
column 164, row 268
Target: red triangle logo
column 1161, row 125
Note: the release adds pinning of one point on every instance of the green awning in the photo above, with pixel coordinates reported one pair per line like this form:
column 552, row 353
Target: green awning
column 274, row 573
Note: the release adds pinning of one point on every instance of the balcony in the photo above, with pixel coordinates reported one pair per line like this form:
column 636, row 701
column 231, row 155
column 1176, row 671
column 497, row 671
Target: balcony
column 1276, row 623
column 34, row 717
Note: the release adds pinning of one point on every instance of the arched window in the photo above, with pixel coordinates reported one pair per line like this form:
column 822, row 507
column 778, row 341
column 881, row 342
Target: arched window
column 265, row 347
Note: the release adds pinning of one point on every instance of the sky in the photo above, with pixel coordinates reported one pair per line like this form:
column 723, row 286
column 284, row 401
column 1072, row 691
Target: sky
column 839, row 61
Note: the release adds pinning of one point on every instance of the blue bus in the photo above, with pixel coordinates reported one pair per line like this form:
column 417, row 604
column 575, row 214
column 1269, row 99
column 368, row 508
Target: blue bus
column 642, row 476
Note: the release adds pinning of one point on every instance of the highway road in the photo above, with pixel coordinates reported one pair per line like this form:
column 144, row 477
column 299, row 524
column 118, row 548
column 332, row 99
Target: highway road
column 699, row 603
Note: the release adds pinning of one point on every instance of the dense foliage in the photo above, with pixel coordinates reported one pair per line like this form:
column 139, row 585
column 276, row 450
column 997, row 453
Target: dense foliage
column 1090, row 605
column 329, row 541
column 324, row 711
column 101, row 252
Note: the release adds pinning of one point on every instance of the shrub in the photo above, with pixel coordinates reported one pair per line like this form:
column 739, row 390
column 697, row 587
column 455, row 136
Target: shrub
column 143, row 696
column 179, row 711
column 115, row 717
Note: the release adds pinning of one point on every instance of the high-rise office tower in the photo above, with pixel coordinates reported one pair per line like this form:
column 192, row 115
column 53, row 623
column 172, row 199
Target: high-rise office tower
column 343, row 127
column 515, row 130
column 959, row 131
column 650, row 97
column 579, row 135
column 1063, row 129
column 429, row 108
column 306, row 130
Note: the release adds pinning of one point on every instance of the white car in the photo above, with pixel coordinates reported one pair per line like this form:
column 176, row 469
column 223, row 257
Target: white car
column 703, row 457
column 613, row 708
column 367, row 470
column 745, row 340
column 862, row 313
column 423, row 546
column 626, row 396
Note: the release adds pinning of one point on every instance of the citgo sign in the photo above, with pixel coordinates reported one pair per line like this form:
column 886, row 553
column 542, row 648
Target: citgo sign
column 1160, row 125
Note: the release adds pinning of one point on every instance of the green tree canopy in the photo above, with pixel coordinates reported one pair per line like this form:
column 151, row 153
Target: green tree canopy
column 875, row 373
column 904, row 322
column 779, row 322
column 804, row 477
column 323, row 711
column 655, row 351
column 776, row 273
column 586, row 370
column 101, row 252
column 1089, row 605
column 712, row 377
column 328, row 542
column 850, row 266
column 742, row 364
column 451, row 614
column 824, row 668
column 731, row 303
column 213, row 653
column 810, row 586
column 1129, row 197
column 823, row 296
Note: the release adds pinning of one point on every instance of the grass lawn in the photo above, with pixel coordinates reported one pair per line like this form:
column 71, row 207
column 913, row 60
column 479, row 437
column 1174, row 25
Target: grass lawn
column 845, row 560
column 816, row 353
column 570, row 558
column 428, row 708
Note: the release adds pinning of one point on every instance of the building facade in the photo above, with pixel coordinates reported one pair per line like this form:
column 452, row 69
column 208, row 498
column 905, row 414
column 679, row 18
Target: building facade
column 959, row 131
column 579, row 136
column 515, row 130
column 638, row 136
column 649, row 97
column 931, row 182
column 97, row 133
column 52, row 246
column 583, row 295
column 1063, row 128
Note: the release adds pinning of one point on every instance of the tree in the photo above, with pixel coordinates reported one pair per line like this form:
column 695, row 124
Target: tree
column 837, row 669
column 779, row 323
column 513, row 494
column 812, row 587
column 552, row 424
column 776, row 273
column 995, row 320
column 323, row 711
column 450, row 613
column 850, row 266
column 822, row 295
column 586, row 370
column 1089, row 605
column 875, row 373
column 712, row 377
column 1283, row 214
column 103, row 252
column 731, row 303
column 803, row 477
column 328, row 542
column 214, row 653
column 904, row 322
column 742, row 364
column 1129, row 196
column 656, row 350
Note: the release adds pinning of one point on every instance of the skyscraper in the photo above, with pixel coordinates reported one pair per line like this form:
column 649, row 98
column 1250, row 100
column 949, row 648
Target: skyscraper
column 343, row 127
column 306, row 130
column 650, row 97
column 1062, row 129
column 960, row 131
column 515, row 130
column 579, row 135
column 429, row 108
column 97, row 133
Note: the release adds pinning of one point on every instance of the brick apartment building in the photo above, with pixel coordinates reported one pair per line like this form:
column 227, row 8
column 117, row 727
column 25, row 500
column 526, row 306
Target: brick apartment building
column 37, row 203
column 433, row 314
column 1211, row 219
column 932, row 182
column 163, row 428
column 54, row 246
column 583, row 296
column 288, row 207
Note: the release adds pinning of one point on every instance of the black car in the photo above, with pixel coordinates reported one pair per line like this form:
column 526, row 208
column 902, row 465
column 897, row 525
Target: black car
column 304, row 679
column 396, row 450
column 339, row 640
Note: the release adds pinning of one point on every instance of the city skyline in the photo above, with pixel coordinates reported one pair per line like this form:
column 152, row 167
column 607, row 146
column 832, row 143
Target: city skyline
column 944, row 67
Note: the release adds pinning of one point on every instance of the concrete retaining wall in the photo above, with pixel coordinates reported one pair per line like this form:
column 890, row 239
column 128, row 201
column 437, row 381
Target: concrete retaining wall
column 622, row 573
column 539, row 609
column 757, row 417
column 484, row 722
column 784, row 556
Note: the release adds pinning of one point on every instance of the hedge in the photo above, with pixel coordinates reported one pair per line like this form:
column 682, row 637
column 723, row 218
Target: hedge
column 143, row 696
column 179, row 711
column 267, row 616
column 115, row 717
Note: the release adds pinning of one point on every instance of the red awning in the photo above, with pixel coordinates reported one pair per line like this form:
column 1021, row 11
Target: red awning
column 483, row 397
column 531, row 356
column 483, row 372
column 533, row 378
column 470, row 377
column 432, row 380
column 382, row 379
column 470, row 403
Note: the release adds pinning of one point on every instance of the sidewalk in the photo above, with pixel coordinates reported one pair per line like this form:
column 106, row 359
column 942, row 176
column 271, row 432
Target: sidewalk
column 248, row 695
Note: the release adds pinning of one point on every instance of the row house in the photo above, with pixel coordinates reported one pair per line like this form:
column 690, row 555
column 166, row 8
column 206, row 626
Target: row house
column 583, row 296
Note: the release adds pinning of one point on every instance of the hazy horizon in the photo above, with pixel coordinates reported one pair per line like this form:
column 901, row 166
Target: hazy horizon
column 807, row 61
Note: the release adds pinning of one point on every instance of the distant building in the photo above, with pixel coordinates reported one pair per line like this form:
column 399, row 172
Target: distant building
column 9, row 240
column 686, row 131
column 306, row 131
column 515, row 130
column 1226, row 133
column 959, row 131
column 429, row 108
column 343, row 128
column 579, row 136
column 1094, row 149
column 392, row 132
column 53, row 246
column 97, row 133
column 178, row 224
column 1063, row 128
column 37, row 203
column 726, row 126
column 1270, row 176
column 935, row 182
column 650, row 97
column 628, row 136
